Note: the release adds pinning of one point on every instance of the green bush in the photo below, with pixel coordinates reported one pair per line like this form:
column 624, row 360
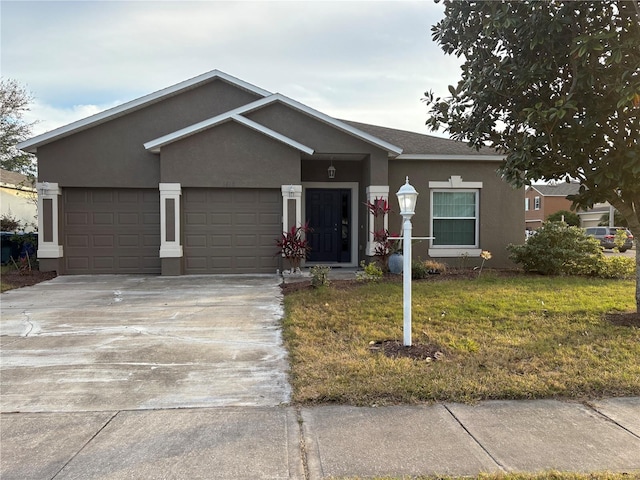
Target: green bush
column 320, row 276
column 558, row 249
column 419, row 270
column 423, row 268
column 371, row 272
column 616, row 267
column 570, row 218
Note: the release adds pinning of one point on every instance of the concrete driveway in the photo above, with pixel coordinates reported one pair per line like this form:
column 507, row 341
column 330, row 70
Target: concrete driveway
column 105, row 343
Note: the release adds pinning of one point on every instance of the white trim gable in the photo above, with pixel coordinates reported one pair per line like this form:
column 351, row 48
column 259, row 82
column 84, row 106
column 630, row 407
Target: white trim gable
column 156, row 145
column 237, row 113
column 32, row 144
column 392, row 149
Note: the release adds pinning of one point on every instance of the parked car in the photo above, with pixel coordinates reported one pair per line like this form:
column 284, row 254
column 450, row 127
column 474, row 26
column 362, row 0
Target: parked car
column 607, row 235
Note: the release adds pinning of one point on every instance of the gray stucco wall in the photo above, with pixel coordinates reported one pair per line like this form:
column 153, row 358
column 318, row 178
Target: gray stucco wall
column 323, row 138
column 112, row 154
column 501, row 206
column 230, row 156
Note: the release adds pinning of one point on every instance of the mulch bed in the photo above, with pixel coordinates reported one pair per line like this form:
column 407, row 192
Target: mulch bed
column 19, row 279
column 395, row 349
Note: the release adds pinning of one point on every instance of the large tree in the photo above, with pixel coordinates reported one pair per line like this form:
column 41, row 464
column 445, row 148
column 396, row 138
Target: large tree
column 553, row 85
column 14, row 103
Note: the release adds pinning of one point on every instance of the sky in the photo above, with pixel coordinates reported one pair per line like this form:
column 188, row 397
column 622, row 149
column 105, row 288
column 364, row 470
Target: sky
column 366, row 61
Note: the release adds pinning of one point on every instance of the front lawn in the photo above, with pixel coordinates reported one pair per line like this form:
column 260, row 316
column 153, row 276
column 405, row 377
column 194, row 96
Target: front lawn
column 500, row 337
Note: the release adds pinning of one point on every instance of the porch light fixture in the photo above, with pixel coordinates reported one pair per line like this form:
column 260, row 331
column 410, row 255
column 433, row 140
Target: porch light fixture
column 407, row 198
column 291, row 191
column 332, row 170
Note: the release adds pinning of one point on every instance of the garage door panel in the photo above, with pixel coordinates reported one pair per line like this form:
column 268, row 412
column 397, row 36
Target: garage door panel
column 103, row 218
column 101, row 241
column 220, row 241
column 77, row 219
column 231, row 230
column 223, row 219
column 111, row 230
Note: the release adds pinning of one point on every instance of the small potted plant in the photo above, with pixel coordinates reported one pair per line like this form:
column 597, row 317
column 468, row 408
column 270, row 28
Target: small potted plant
column 294, row 246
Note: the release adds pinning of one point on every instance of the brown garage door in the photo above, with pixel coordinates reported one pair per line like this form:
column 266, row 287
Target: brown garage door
column 231, row 230
column 111, row 230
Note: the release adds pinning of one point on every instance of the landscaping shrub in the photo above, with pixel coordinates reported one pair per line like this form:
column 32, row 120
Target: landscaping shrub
column 423, row 268
column 419, row 270
column 570, row 218
column 320, row 276
column 371, row 272
column 558, row 249
column 616, row 267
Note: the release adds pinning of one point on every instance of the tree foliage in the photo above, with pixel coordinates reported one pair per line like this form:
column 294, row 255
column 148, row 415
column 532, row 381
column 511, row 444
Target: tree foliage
column 14, row 103
column 555, row 86
column 570, row 218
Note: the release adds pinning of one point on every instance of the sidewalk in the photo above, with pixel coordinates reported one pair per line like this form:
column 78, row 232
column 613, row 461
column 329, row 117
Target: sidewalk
column 314, row 443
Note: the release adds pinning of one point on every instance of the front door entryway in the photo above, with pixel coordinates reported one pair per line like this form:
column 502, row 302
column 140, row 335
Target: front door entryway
column 328, row 212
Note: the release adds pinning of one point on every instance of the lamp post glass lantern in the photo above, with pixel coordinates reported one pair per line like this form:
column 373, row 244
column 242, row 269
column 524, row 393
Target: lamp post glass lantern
column 407, row 198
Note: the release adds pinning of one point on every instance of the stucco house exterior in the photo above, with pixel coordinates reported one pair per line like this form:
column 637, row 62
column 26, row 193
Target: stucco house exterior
column 17, row 199
column 203, row 176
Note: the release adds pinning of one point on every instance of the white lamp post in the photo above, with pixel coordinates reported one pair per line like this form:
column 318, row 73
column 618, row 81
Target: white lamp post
column 407, row 198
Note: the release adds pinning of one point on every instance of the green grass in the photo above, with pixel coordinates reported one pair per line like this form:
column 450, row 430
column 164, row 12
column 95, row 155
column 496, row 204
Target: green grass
column 4, row 286
column 502, row 338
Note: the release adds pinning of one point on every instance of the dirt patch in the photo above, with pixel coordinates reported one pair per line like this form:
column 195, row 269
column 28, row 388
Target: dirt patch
column 624, row 319
column 17, row 279
column 395, row 349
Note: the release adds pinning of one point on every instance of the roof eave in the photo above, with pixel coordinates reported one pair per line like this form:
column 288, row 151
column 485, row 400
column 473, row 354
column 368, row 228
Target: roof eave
column 31, row 145
column 450, row 156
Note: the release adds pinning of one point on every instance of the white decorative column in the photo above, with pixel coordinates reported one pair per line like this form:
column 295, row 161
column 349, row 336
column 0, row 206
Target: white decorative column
column 291, row 192
column 373, row 192
column 170, row 246
column 48, row 220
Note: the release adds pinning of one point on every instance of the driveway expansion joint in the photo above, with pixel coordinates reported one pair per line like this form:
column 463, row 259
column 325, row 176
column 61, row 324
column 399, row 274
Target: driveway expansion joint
column 85, row 445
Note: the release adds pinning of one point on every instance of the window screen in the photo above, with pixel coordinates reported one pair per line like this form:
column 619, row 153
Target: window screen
column 455, row 218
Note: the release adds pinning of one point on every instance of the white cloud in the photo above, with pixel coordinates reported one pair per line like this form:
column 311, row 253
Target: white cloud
column 47, row 117
column 366, row 61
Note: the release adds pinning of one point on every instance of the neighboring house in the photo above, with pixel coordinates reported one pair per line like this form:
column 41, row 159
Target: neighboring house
column 18, row 199
column 540, row 201
column 593, row 216
column 203, row 176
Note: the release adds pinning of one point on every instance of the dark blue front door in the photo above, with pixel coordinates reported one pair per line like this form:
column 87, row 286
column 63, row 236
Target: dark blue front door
column 328, row 212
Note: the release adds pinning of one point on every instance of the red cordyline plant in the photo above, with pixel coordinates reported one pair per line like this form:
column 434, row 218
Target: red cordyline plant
column 294, row 246
column 384, row 247
column 379, row 207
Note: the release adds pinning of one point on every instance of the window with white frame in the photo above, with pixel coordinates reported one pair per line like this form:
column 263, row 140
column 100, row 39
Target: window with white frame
column 526, row 204
column 536, row 203
column 454, row 218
